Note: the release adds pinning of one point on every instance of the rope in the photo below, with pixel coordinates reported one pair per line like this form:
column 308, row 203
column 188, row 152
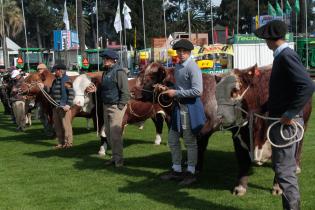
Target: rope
column 92, row 85
column 139, row 116
column 296, row 126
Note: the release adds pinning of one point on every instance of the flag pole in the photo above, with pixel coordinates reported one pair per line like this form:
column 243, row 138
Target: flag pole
column 143, row 24
column 120, row 38
column 4, row 41
column 25, row 34
column 306, row 34
column 165, row 33
column 189, row 26
column 211, row 12
column 97, row 45
column 76, row 26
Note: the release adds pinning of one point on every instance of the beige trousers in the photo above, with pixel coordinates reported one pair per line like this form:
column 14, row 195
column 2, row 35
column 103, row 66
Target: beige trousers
column 63, row 126
column 113, row 117
column 19, row 113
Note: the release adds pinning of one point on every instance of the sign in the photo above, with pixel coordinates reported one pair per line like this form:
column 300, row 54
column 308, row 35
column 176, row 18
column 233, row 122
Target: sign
column 64, row 39
column 20, row 60
column 252, row 39
column 216, row 48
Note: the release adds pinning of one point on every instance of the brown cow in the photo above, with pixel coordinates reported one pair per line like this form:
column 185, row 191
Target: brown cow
column 157, row 74
column 248, row 89
column 135, row 112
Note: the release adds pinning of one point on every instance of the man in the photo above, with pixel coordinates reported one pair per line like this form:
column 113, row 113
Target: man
column 62, row 114
column 188, row 115
column 115, row 95
column 17, row 100
column 43, row 117
column 290, row 88
column 41, row 67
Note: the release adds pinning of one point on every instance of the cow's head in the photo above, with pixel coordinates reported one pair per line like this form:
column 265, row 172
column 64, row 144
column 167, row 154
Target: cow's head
column 151, row 75
column 246, row 89
column 81, row 98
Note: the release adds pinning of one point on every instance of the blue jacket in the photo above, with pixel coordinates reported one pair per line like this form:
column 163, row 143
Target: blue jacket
column 196, row 114
column 59, row 92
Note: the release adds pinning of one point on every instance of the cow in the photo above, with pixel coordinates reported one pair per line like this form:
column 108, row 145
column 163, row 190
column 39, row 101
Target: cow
column 156, row 74
column 241, row 95
column 137, row 111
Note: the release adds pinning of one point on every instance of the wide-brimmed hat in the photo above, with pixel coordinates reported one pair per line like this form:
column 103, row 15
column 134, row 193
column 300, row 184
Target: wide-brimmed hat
column 109, row 54
column 273, row 30
column 183, row 44
column 15, row 73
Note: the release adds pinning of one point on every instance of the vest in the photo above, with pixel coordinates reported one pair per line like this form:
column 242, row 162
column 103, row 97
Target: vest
column 110, row 92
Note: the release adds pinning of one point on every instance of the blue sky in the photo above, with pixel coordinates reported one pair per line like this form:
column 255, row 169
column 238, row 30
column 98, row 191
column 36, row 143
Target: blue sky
column 216, row 2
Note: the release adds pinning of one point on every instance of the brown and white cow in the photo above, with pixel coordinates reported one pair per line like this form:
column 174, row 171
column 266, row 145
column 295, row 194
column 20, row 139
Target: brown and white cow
column 241, row 95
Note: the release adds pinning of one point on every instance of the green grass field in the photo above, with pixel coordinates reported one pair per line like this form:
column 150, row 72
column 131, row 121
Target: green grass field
column 34, row 176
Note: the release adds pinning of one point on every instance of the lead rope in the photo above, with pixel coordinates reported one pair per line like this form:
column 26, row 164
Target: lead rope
column 92, row 85
column 296, row 126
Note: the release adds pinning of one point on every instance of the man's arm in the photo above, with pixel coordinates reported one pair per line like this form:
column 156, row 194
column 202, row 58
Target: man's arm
column 122, row 82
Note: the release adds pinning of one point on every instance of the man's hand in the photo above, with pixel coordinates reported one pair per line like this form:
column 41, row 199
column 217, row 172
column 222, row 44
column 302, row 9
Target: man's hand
column 90, row 89
column 41, row 85
column 160, row 88
column 66, row 108
column 170, row 93
column 286, row 121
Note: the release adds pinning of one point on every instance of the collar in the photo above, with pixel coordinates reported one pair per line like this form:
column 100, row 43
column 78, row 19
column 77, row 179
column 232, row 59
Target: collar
column 280, row 49
column 184, row 64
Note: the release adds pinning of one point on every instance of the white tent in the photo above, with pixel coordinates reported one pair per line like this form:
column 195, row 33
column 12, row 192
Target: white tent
column 11, row 45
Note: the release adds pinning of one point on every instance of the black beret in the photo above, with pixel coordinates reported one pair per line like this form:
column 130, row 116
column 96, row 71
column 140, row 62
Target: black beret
column 59, row 66
column 109, row 53
column 273, row 30
column 183, row 44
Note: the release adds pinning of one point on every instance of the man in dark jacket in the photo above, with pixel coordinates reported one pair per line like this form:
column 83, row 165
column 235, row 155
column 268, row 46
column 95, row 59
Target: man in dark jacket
column 290, row 88
column 63, row 95
column 115, row 96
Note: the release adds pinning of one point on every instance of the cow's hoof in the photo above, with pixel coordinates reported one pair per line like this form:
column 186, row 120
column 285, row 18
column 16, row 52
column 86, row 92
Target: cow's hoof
column 239, row 190
column 298, row 170
column 102, row 151
column 158, row 139
column 276, row 190
column 157, row 142
column 141, row 127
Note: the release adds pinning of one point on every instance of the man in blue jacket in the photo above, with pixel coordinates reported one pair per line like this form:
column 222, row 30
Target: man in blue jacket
column 290, row 88
column 63, row 95
column 188, row 115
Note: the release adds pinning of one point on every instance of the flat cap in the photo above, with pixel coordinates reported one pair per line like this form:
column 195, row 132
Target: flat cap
column 109, row 53
column 59, row 66
column 183, row 44
column 273, row 30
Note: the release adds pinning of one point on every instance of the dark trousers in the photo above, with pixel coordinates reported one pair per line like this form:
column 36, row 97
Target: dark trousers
column 284, row 165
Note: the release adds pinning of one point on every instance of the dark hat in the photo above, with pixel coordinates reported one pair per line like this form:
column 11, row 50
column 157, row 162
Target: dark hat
column 183, row 44
column 274, row 30
column 109, row 53
column 59, row 66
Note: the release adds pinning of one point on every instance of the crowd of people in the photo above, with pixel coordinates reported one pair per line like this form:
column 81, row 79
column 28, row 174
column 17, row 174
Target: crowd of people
column 188, row 113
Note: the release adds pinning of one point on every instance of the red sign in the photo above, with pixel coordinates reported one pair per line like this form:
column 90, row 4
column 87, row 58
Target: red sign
column 20, row 60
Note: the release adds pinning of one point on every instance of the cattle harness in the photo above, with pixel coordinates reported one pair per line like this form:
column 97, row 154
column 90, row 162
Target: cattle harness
column 251, row 115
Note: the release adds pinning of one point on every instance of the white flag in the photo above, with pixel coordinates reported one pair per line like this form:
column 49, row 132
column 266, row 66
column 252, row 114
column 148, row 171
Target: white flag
column 127, row 17
column 65, row 17
column 167, row 4
column 117, row 22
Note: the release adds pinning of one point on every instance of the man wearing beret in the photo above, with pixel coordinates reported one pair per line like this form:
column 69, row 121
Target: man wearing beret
column 290, row 88
column 115, row 96
column 62, row 114
column 188, row 114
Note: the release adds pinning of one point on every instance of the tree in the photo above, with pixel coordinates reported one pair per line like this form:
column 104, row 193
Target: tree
column 13, row 19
